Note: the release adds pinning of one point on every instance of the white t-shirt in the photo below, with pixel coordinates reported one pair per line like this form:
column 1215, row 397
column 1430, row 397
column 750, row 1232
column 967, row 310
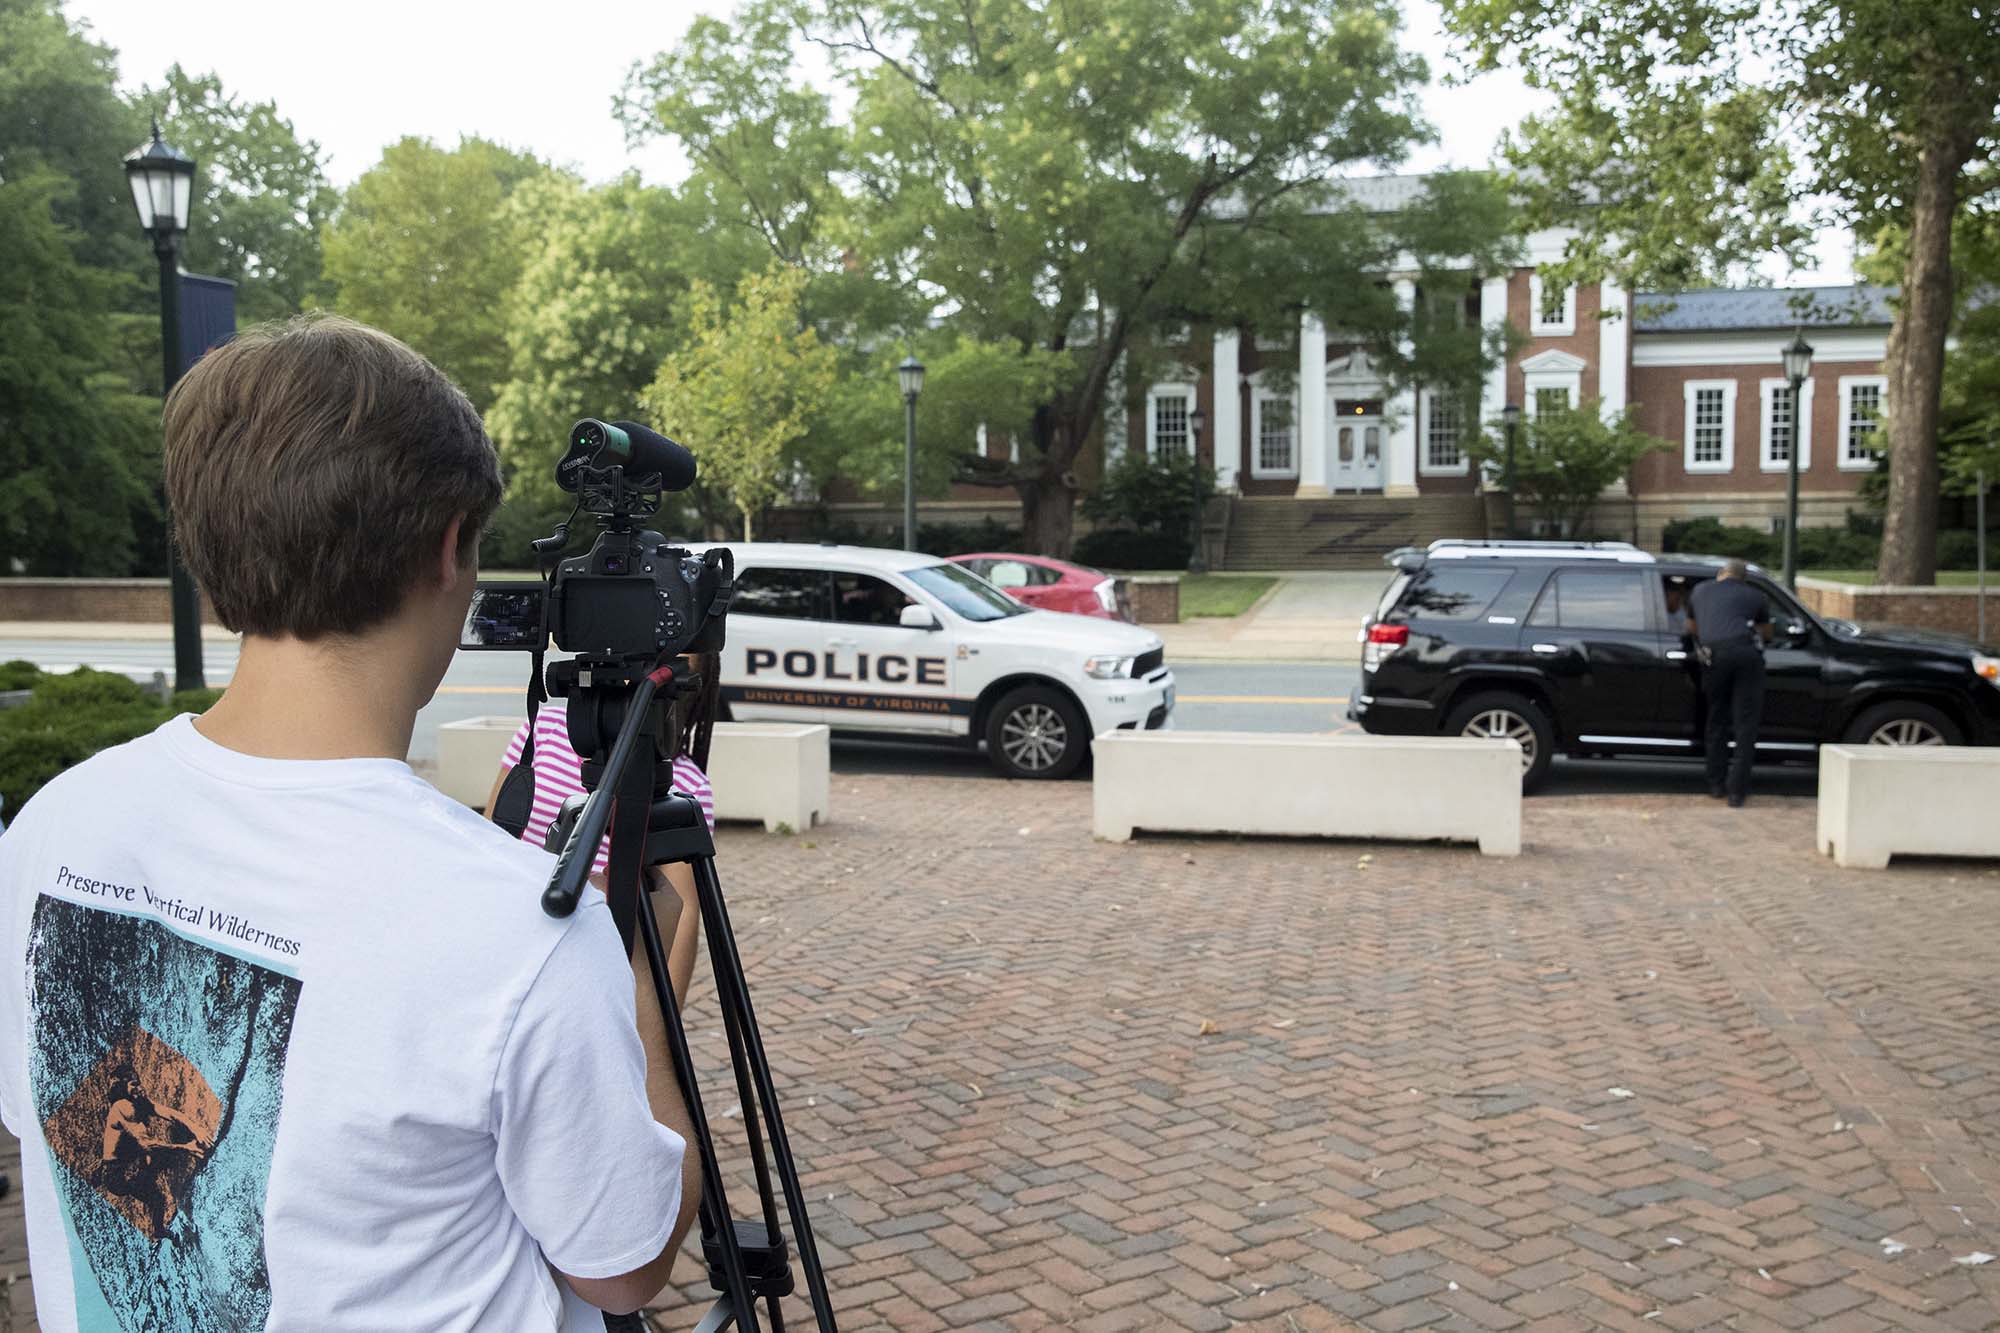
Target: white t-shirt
column 292, row 1045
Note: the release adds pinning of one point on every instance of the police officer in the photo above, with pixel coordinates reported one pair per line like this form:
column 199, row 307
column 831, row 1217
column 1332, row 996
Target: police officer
column 1731, row 623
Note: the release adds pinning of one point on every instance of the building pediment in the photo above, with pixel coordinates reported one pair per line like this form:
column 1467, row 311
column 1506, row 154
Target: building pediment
column 1354, row 369
column 1555, row 360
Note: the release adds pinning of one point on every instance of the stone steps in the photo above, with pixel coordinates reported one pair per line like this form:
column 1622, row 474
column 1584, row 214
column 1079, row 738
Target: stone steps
column 1345, row 531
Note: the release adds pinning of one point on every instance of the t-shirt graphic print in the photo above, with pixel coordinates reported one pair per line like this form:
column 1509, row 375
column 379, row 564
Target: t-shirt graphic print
column 157, row 1071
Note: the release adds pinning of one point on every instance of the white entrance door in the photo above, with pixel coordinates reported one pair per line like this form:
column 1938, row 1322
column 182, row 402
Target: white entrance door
column 1356, row 453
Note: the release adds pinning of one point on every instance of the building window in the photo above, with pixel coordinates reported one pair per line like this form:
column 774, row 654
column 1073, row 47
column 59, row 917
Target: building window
column 1444, row 435
column 1861, row 403
column 1273, row 426
column 1786, row 424
column 1553, row 306
column 1167, row 408
column 1552, row 402
column 1710, row 412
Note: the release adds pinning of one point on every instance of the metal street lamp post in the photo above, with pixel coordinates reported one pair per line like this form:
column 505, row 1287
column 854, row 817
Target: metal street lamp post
column 911, row 376
column 1510, row 420
column 1797, row 358
column 162, row 181
column 1197, row 419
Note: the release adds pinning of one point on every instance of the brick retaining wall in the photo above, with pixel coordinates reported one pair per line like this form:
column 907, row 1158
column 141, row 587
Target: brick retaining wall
column 1951, row 610
column 120, row 601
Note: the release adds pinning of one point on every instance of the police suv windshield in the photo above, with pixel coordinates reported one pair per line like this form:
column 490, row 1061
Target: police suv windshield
column 965, row 592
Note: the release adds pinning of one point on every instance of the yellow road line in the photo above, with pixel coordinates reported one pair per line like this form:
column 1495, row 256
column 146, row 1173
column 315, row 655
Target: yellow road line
column 1259, row 699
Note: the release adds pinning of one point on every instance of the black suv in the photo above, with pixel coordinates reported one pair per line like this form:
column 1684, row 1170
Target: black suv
column 1581, row 647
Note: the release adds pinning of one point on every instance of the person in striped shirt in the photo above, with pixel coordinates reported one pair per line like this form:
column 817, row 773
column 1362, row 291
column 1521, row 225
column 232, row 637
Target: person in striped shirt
column 559, row 769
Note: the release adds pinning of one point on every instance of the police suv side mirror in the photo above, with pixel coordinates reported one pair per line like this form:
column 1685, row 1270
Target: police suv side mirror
column 918, row 617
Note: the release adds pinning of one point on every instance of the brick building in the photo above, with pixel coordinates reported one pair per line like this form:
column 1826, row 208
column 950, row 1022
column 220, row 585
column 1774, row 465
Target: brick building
column 1327, row 464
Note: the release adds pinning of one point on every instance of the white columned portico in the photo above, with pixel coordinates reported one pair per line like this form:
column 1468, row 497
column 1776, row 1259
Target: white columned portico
column 1493, row 393
column 1227, row 391
column 1402, row 412
column 1614, row 333
column 1312, row 406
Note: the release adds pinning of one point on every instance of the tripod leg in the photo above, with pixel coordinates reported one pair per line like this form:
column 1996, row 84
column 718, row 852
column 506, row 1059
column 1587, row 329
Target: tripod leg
column 725, row 960
column 729, row 1001
column 715, row 1202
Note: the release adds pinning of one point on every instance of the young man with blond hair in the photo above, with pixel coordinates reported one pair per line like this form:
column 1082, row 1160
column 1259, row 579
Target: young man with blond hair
column 418, row 1102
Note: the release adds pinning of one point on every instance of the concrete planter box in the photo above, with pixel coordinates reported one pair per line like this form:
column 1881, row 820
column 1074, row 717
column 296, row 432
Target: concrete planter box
column 469, row 755
column 778, row 773
column 1389, row 787
column 1878, row 801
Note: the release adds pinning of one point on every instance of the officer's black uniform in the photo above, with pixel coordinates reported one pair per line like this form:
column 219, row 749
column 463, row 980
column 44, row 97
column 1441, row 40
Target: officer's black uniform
column 1726, row 613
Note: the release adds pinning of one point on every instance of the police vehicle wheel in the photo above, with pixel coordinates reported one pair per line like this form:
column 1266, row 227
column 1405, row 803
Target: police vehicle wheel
column 1034, row 732
column 1511, row 717
column 1903, row 724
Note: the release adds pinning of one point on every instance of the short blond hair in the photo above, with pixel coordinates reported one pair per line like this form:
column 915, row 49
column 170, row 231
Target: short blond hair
column 312, row 467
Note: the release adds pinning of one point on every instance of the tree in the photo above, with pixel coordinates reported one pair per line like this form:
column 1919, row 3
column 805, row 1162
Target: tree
column 1685, row 138
column 745, row 386
column 263, row 195
column 424, row 247
column 60, row 111
column 1565, row 460
column 78, row 450
column 1092, row 184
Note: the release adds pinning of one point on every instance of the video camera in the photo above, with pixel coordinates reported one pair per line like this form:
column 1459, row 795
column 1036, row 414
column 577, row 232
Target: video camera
column 633, row 598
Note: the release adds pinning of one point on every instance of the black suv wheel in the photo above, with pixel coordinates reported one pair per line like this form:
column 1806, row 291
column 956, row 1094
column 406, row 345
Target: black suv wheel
column 1512, row 717
column 1036, row 732
column 1903, row 723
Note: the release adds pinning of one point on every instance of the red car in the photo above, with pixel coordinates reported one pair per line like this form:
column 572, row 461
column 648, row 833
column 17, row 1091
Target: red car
column 1051, row 585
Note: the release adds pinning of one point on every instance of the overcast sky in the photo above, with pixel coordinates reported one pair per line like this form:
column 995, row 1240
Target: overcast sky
column 360, row 76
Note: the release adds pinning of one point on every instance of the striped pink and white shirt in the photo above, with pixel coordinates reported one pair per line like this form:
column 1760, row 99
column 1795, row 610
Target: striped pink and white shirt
column 559, row 775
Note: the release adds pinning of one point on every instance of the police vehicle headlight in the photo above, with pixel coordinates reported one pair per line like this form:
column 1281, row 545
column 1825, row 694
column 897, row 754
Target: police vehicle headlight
column 1107, row 668
column 1987, row 669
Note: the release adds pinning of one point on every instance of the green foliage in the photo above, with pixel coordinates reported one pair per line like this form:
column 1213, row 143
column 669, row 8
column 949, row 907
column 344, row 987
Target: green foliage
column 79, row 452
column 1035, row 182
column 19, row 675
column 742, row 390
column 1224, row 595
column 71, row 717
column 1151, row 494
column 262, row 199
column 1852, row 546
column 949, row 539
column 425, row 248
column 1121, row 548
column 1564, row 460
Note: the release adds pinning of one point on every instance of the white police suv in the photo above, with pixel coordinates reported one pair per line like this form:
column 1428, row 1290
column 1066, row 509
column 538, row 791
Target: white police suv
column 899, row 643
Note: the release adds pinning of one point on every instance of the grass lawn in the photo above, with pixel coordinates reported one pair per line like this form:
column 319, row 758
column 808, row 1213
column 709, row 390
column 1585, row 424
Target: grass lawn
column 1949, row 578
column 1221, row 594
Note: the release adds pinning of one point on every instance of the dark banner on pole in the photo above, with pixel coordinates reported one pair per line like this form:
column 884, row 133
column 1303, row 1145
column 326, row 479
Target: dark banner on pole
column 208, row 315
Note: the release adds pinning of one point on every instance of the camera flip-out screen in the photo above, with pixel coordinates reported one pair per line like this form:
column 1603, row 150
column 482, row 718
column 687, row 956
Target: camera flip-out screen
column 504, row 615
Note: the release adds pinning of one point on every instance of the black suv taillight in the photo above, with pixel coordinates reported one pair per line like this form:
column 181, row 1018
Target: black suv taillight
column 1383, row 641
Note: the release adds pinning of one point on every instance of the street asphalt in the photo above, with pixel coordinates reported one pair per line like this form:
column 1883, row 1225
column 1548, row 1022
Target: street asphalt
column 1213, row 696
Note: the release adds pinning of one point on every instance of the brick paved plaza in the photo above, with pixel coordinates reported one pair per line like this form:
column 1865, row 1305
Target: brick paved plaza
column 1594, row 1087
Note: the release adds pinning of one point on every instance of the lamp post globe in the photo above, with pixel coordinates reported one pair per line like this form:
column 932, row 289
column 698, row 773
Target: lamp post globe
column 1797, row 359
column 1510, row 422
column 1197, row 422
column 162, row 181
column 910, row 375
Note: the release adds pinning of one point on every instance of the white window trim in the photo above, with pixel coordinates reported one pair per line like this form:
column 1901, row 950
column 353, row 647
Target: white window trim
column 1167, row 389
column 1688, row 391
column 1536, row 325
column 1254, row 442
column 1801, row 425
column 1424, row 467
column 1848, row 383
column 1570, row 381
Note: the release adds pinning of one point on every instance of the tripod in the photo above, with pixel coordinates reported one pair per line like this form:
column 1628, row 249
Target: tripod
column 610, row 705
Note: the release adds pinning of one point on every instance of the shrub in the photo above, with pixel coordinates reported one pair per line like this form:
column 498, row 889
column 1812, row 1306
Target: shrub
column 1121, row 548
column 1711, row 536
column 70, row 718
column 988, row 534
column 1958, row 549
column 19, row 675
